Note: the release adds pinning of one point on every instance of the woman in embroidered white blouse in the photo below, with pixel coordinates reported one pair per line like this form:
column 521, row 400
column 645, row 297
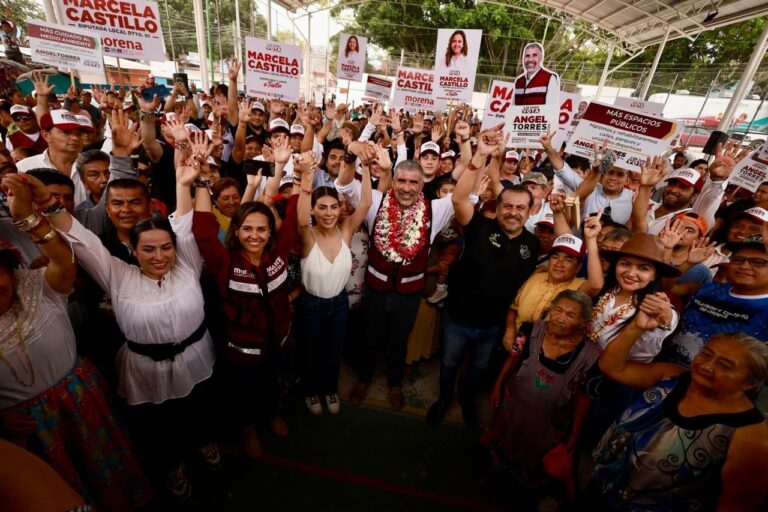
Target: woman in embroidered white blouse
column 164, row 369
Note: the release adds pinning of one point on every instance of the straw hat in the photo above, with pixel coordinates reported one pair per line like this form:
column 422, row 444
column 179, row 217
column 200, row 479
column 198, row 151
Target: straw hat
column 649, row 247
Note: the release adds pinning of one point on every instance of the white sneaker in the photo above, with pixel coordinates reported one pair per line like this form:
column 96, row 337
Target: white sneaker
column 438, row 295
column 333, row 403
column 313, row 404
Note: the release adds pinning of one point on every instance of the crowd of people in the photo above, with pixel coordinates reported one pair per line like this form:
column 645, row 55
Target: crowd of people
column 159, row 255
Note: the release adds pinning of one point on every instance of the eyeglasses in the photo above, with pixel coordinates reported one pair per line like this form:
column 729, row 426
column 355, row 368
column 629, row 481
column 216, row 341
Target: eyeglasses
column 753, row 262
column 22, row 118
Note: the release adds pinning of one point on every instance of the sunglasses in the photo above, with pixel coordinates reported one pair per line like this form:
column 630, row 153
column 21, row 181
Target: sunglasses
column 22, row 118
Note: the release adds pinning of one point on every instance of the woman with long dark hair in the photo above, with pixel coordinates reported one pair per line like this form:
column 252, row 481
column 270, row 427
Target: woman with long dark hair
column 326, row 265
column 456, row 53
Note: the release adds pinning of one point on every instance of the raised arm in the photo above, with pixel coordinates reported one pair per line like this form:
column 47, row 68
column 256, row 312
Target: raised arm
column 305, row 165
column 234, row 71
column 282, row 152
column 553, row 154
column 654, row 312
column 595, row 278
column 651, row 173
column 461, row 130
column 353, row 222
column 557, row 205
column 42, row 91
column 25, row 194
column 385, row 165
column 488, row 141
column 243, row 118
column 186, row 173
column 147, row 110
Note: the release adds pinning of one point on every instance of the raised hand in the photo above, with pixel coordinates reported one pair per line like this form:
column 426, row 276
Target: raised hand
column 40, row 81
column 19, row 193
column 437, row 131
column 330, row 110
column 187, row 171
column 201, row 149
column 489, row 140
column 462, row 131
column 268, row 154
column 652, row 172
column 556, row 202
column 304, row 165
column 147, row 106
column 382, row 158
column 700, row 250
column 365, row 152
column 341, row 112
column 418, row 123
column 394, row 120
column 526, row 164
column 546, row 139
column 592, row 226
column 672, row 233
column 598, row 151
column 726, row 159
column 125, row 139
column 177, row 130
column 244, row 114
column 483, row 186
column 655, row 311
column 377, row 118
column 234, row 70
column 282, row 151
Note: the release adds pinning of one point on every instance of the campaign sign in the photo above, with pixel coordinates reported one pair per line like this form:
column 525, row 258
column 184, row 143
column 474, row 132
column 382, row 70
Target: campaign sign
column 648, row 107
column 455, row 64
column 752, row 170
column 571, row 110
column 128, row 28
column 60, row 46
column 632, row 135
column 351, row 59
column 526, row 123
column 499, row 99
column 272, row 70
column 413, row 90
column 378, row 88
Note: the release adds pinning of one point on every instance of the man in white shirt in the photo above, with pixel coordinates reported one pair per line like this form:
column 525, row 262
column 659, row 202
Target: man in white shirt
column 63, row 131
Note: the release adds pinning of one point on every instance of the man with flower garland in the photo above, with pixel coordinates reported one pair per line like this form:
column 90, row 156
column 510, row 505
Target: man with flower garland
column 403, row 224
column 499, row 256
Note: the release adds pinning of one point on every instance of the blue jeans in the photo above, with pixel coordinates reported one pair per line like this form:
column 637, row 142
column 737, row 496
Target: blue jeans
column 324, row 327
column 458, row 338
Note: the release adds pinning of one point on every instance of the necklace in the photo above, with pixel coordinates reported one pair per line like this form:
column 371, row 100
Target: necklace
column 26, row 366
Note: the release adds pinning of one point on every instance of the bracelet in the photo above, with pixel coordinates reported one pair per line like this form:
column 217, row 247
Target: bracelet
column 28, row 224
column 397, row 134
column 306, row 191
column 184, row 144
column 55, row 209
column 143, row 116
column 50, row 235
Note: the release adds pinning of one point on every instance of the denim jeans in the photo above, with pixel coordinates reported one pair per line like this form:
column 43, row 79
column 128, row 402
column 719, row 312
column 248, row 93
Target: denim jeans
column 458, row 338
column 324, row 327
column 389, row 317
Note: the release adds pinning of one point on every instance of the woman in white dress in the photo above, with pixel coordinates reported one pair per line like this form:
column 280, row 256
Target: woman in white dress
column 326, row 265
column 164, row 368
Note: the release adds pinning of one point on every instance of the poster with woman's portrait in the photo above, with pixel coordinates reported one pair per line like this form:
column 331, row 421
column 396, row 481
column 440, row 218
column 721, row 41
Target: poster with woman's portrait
column 351, row 61
column 456, row 63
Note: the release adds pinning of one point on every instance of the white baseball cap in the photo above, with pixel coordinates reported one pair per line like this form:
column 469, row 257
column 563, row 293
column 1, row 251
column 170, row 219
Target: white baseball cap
column 511, row 155
column 279, row 124
column 569, row 244
column 20, row 109
column 297, row 128
column 429, row 146
column 757, row 213
column 688, row 176
column 547, row 219
column 448, row 154
column 85, row 122
column 61, row 119
column 257, row 105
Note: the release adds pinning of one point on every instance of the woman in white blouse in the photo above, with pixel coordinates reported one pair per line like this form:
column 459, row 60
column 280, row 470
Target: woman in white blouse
column 165, row 366
column 50, row 399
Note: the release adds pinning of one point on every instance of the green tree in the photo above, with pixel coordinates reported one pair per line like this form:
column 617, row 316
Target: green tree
column 19, row 10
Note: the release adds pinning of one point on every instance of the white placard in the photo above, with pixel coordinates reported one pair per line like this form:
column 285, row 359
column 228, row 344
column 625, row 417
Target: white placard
column 499, row 99
column 648, row 107
column 632, row 135
column 272, row 70
column 378, row 88
column 526, row 123
column 129, row 28
column 571, row 110
column 351, row 59
column 66, row 47
column 455, row 64
column 752, row 170
column 413, row 90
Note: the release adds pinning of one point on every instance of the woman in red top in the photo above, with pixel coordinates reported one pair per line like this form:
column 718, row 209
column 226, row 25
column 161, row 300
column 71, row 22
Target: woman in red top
column 251, row 271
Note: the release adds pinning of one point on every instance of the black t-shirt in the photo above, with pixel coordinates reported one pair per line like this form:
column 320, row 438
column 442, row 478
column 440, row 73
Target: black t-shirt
column 431, row 188
column 491, row 270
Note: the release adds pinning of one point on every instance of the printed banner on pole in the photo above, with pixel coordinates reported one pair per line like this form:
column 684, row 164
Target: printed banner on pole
column 413, row 90
column 499, row 99
column 526, row 123
column 378, row 88
column 273, row 70
column 631, row 134
column 129, row 29
column 455, row 64
column 351, row 60
column 752, row 171
column 571, row 110
column 647, row 107
column 60, row 46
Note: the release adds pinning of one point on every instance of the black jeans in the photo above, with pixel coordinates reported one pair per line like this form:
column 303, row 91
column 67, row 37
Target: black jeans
column 389, row 317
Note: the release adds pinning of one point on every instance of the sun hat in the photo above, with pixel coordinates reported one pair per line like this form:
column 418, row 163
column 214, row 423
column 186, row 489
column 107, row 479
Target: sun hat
column 649, row 247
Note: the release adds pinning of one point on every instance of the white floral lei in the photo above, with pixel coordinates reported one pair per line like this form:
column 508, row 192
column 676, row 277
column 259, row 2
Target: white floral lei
column 400, row 235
